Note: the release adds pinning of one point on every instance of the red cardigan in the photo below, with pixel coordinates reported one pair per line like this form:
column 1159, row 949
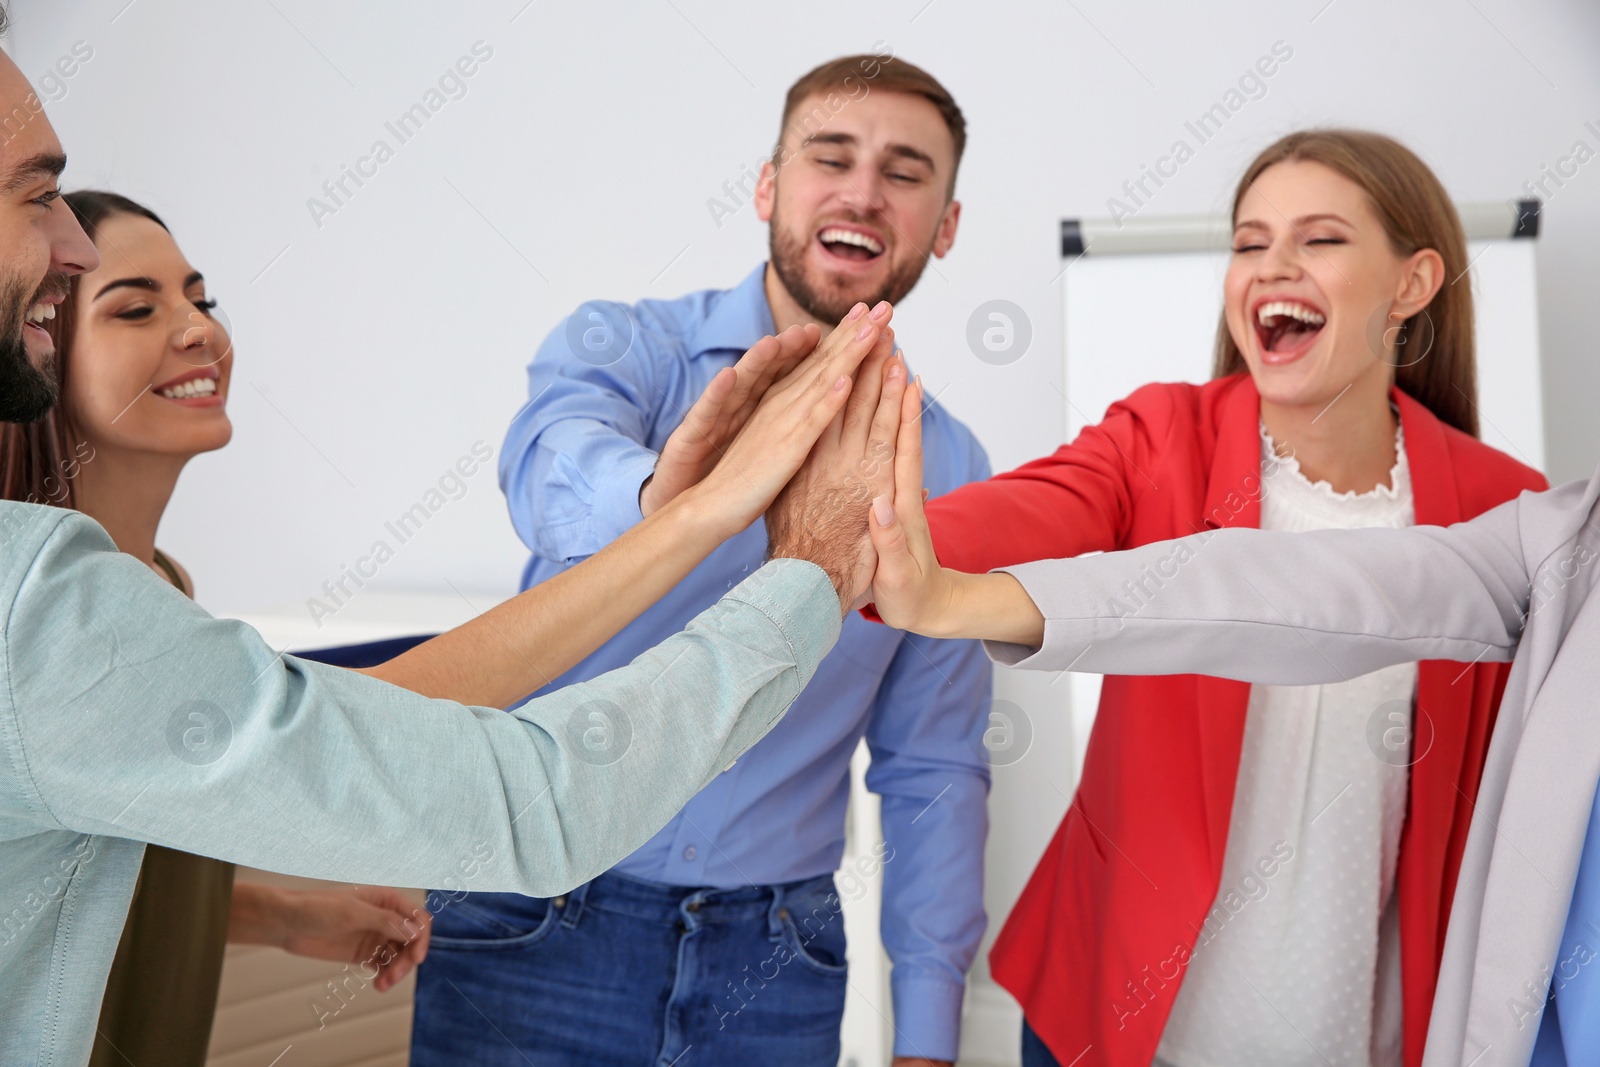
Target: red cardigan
column 1095, row 947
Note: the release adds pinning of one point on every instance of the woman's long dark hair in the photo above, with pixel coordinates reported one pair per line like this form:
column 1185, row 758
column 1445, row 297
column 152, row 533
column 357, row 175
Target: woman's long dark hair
column 39, row 460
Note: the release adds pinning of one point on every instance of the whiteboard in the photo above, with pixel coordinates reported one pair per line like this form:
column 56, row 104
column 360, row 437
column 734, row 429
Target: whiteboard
column 1133, row 319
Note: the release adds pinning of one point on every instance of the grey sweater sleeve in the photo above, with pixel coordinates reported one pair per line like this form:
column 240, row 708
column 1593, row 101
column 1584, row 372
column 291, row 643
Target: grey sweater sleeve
column 1285, row 608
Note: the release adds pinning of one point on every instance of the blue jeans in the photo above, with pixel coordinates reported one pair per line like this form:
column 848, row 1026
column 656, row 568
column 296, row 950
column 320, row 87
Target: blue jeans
column 627, row 973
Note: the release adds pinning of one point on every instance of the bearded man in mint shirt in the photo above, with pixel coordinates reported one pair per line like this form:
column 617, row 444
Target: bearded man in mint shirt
column 128, row 716
column 723, row 934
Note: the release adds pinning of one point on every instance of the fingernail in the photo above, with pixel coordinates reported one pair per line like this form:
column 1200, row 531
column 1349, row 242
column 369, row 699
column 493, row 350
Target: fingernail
column 842, row 384
column 865, row 332
column 883, row 511
column 857, row 311
column 881, row 310
column 896, row 370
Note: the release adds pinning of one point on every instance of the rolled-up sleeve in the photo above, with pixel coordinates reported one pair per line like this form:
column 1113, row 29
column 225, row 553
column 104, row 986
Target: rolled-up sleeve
column 577, row 452
column 131, row 712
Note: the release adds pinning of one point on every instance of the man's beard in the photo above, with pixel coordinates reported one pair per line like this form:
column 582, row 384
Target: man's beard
column 27, row 393
column 789, row 260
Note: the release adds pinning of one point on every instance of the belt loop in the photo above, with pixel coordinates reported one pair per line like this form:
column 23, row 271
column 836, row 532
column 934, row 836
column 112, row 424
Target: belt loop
column 571, row 905
column 777, row 912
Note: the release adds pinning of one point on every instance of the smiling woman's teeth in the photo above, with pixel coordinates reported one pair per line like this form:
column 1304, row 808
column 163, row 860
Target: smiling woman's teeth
column 40, row 313
column 1292, row 310
column 192, row 387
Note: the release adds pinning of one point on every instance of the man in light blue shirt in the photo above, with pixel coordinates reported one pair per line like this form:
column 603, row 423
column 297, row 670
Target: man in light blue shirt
column 130, row 716
column 723, row 933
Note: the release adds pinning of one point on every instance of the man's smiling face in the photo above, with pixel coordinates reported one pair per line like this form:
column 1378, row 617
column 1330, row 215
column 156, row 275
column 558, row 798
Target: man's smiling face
column 41, row 244
column 860, row 203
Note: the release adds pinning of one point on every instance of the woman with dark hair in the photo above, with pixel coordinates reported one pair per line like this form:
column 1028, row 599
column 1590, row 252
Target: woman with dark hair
column 1242, row 876
column 141, row 326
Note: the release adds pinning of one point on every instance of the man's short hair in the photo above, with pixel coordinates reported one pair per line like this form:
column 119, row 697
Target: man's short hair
column 852, row 77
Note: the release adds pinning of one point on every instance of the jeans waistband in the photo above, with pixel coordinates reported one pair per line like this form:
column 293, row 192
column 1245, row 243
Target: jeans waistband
column 658, row 902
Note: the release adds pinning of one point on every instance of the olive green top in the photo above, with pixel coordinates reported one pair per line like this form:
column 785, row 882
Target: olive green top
column 162, row 992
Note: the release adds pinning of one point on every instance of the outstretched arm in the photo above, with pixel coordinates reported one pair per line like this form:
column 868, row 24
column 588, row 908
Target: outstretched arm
column 129, row 712
column 1279, row 608
column 132, row 713
column 521, row 645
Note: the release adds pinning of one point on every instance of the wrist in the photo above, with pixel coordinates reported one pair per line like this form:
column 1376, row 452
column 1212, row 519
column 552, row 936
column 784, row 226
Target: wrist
column 283, row 915
column 699, row 515
column 837, row 573
column 795, row 542
column 988, row 607
column 942, row 612
column 259, row 915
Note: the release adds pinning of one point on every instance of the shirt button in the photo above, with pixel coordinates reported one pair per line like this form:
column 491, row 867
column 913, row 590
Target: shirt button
column 690, row 853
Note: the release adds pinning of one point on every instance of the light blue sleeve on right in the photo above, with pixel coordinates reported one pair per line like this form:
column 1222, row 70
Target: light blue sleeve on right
column 576, row 454
column 1569, row 1030
column 128, row 711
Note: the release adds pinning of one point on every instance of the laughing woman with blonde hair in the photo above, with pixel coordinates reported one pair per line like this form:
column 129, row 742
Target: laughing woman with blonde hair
column 1240, row 879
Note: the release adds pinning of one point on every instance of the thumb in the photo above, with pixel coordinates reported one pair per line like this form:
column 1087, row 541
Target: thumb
column 701, row 420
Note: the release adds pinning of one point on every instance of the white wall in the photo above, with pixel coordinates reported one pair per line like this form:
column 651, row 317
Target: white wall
column 374, row 350
column 380, row 346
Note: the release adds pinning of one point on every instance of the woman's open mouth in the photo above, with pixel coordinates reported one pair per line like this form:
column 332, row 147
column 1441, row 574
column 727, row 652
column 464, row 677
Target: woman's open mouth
column 197, row 388
column 850, row 243
column 1286, row 329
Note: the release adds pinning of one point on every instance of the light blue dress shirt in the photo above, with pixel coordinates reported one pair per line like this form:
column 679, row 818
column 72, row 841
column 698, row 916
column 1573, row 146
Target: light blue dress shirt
column 128, row 715
column 606, row 389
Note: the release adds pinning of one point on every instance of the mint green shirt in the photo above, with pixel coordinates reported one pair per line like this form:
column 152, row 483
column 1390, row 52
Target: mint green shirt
column 128, row 715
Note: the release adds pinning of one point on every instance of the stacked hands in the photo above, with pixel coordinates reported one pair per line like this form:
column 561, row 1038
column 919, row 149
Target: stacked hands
column 824, row 437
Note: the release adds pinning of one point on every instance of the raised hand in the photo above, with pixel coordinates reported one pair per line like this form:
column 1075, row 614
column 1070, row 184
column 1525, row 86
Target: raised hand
column 821, row 515
column 559, row 622
column 721, row 412
column 912, row 591
column 778, row 435
column 909, row 588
